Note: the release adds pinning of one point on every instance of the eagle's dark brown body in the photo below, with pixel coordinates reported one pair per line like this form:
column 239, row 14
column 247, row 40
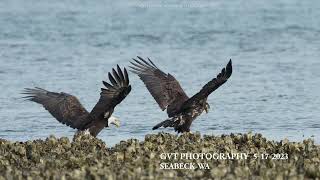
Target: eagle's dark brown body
column 168, row 93
column 68, row 110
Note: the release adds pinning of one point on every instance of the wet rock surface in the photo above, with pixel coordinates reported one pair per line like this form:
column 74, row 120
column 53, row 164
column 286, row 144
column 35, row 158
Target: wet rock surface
column 86, row 157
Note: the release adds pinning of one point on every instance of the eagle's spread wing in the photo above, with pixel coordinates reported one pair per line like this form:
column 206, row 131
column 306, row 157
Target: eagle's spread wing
column 113, row 94
column 164, row 88
column 64, row 107
column 212, row 85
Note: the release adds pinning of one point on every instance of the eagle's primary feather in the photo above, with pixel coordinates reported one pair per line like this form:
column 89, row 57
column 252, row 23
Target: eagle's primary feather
column 164, row 88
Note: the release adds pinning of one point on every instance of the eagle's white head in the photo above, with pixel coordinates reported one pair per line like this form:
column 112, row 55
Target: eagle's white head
column 113, row 120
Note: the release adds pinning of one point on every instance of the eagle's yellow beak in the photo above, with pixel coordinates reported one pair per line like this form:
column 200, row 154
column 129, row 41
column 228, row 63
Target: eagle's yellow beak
column 116, row 123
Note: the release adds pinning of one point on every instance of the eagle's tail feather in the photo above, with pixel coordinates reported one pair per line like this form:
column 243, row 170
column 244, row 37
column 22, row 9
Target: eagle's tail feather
column 166, row 123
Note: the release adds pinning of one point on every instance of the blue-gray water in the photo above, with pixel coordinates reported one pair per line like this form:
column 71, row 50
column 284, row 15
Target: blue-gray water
column 71, row 45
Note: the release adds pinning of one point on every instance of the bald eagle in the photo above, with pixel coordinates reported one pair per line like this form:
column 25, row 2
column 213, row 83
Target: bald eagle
column 67, row 109
column 169, row 95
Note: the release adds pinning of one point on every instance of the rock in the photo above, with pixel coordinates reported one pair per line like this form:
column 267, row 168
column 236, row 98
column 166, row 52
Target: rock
column 87, row 157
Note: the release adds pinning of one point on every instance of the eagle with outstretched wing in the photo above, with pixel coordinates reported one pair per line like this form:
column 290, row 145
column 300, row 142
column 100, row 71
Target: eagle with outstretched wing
column 169, row 95
column 68, row 110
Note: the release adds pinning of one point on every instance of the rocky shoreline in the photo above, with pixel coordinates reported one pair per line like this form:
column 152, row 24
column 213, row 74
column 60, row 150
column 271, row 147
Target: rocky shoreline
column 160, row 156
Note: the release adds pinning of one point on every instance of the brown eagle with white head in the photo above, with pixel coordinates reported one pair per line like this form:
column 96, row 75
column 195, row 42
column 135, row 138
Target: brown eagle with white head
column 168, row 93
column 67, row 109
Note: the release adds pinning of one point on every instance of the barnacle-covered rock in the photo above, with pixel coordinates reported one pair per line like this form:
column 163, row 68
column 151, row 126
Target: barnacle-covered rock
column 87, row 157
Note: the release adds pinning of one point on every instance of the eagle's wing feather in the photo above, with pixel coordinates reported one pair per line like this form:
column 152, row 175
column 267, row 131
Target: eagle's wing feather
column 64, row 107
column 212, row 85
column 113, row 94
column 164, row 88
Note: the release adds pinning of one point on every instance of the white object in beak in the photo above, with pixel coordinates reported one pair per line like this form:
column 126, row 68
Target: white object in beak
column 113, row 120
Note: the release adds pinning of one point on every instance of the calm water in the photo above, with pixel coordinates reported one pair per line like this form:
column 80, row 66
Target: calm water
column 71, row 45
